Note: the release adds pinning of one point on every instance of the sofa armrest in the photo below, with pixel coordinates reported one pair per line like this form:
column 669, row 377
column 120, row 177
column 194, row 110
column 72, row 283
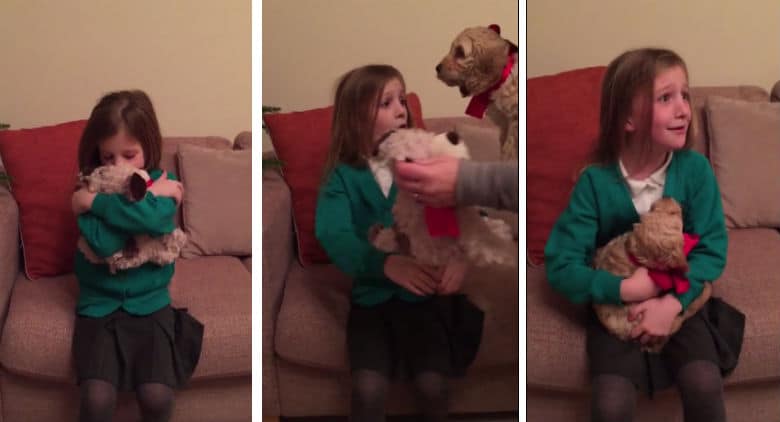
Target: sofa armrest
column 278, row 253
column 243, row 141
column 775, row 94
column 9, row 249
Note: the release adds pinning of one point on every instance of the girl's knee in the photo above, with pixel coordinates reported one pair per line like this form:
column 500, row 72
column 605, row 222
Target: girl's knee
column 431, row 386
column 155, row 398
column 700, row 379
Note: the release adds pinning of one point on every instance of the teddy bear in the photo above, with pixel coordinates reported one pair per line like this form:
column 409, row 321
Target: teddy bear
column 141, row 248
column 435, row 235
column 657, row 242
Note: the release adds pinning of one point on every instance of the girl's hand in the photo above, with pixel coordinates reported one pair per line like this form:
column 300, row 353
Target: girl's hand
column 81, row 201
column 638, row 287
column 409, row 274
column 167, row 188
column 452, row 278
column 657, row 315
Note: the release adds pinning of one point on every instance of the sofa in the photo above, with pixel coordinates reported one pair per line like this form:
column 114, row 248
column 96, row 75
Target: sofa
column 37, row 374
column 737, row 128
column 305, row 304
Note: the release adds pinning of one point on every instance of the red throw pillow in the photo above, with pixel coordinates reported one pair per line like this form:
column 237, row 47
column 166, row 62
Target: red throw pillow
column 561, row 131
column 301, row 140
column 42, row 164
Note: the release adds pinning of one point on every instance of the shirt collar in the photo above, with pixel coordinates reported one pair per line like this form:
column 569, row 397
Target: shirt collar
column 655, row 180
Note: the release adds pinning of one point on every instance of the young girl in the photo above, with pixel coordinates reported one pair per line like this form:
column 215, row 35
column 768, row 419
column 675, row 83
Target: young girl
column 398, row 317
column 641, row 156
column 127, row 336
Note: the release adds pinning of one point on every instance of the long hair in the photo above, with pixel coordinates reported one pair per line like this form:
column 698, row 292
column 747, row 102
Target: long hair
column 358, row 93
column 628, row 86
column 129, row 110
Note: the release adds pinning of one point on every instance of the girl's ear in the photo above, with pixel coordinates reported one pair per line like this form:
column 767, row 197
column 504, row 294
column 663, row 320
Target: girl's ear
column 630, row 125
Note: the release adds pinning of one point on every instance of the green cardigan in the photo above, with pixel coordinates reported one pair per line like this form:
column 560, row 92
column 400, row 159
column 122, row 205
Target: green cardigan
column 111, row 221
column 348, row 204
column 600, row 209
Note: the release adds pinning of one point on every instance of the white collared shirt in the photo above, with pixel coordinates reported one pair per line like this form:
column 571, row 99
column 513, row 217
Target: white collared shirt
column 382, row 174
column 645, row 192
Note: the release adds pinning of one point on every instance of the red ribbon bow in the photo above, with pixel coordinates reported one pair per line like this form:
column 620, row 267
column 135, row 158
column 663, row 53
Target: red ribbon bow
column 480, row 102
column 442, row 222
column 673, row 279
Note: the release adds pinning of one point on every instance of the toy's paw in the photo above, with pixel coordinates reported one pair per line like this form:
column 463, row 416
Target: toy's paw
column 383, row 239
column 615, row 320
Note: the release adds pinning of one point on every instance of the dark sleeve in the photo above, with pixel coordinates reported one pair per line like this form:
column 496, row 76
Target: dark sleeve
column 151, row 215
column 334, row 229
column 104, row 239
column 708, row 258
column 570, row 248
column 489, row 184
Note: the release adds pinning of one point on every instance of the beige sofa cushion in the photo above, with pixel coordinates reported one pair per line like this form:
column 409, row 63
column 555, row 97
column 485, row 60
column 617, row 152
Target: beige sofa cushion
column 745, row 151
column 312, row 321
column 217, row 204
column 217, row 291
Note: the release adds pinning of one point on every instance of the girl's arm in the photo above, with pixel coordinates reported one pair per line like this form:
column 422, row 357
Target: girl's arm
column 351, row 253
column 104, row 239
column 570, row 249
column 151, row 215
column 704, row 218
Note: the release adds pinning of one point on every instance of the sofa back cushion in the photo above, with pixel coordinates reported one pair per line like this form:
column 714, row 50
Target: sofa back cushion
column 744, row 151
column 301, row 140
column 217, row 205
column 561, row 129
column 42, row 164
column 699, row 94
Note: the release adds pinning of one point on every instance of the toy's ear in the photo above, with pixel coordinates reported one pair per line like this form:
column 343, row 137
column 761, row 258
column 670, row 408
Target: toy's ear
column 136, row 187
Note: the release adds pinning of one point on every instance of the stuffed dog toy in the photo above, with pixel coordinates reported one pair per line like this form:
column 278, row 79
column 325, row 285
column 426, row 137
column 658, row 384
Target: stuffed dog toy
column 484, row 66
column 470, row 235
column 133, row 183
column 656, row 243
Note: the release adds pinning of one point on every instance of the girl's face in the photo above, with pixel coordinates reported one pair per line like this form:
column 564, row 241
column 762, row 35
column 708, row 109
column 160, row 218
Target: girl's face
column 671, row 109
column 122, row 149
column 391, row 111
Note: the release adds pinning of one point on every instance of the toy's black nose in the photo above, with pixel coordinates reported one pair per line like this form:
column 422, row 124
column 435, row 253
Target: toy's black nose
column 438, row 68
column 408, row 160
column 453, row 137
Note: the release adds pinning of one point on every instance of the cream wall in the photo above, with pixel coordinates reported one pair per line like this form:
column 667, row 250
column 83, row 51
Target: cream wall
column 192, row 57
column 725, row 42
column 308, row 44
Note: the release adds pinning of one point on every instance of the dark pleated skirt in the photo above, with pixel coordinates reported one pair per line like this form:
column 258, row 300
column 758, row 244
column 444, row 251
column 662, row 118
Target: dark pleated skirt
column 401, row 339
column 128, row 350
column 714, row 334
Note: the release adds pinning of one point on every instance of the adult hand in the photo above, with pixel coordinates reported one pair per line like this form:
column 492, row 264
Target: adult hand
column 81, row 201
column 657, row 315
column 409, row 274
column 638, row 287
column 430, row 181
column 168, row 188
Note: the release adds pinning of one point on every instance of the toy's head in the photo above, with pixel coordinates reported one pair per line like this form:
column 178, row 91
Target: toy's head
column 657, row 240
column 128, row 180
column 416, row 144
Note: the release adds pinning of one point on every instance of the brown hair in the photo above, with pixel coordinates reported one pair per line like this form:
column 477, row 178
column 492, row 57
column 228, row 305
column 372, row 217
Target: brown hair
column 128, row 110
column 354, row 111
column 629, row 83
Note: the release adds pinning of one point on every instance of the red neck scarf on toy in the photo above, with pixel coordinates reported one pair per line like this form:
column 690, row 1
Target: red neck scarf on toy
column 479, row 103
column 441, row 222
column 668, row 280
